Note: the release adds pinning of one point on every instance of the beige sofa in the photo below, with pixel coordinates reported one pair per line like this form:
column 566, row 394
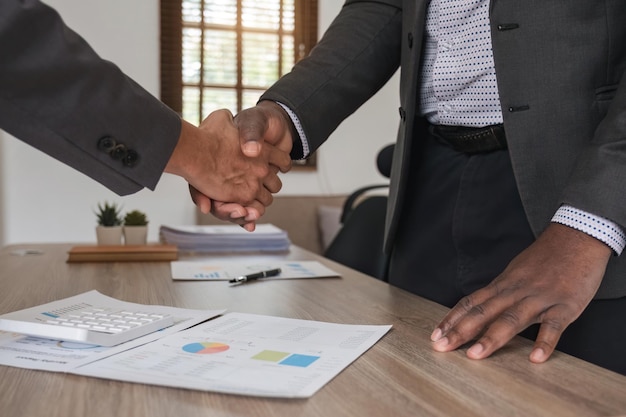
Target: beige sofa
column 310, row 221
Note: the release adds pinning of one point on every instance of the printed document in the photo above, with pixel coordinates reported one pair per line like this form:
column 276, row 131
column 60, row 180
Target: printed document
column 225, row 270
column 244, row 354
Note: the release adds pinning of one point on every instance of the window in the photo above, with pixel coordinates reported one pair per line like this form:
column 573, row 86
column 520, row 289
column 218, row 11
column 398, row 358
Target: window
column 225, row 53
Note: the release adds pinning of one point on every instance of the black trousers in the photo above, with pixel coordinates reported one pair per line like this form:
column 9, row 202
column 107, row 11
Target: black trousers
column 462, row 223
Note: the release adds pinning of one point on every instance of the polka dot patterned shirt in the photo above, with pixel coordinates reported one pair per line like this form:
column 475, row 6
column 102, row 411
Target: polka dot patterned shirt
column 458, row 77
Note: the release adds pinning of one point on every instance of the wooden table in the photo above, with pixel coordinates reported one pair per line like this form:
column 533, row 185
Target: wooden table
column 400, row 376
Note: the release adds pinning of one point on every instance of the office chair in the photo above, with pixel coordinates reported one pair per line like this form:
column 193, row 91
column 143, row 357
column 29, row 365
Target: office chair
column 359, row 242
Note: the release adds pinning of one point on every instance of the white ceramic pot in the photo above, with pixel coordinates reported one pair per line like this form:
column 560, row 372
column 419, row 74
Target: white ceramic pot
column 135, row 235
column 109, row 235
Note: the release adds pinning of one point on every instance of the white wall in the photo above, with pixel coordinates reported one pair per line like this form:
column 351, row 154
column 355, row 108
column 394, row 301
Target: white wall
column 42, row 200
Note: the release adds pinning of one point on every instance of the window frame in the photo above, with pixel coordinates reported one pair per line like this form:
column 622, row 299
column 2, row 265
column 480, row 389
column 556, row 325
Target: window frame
column 171, row 39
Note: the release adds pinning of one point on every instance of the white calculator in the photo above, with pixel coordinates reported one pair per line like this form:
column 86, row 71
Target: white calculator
column 85, row 323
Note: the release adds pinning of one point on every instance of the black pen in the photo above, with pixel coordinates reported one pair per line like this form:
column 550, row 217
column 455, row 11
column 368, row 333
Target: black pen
column 256, row 275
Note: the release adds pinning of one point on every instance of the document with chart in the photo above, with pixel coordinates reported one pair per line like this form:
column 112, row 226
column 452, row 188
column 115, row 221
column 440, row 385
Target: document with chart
column 244, row 354
column 225, row 270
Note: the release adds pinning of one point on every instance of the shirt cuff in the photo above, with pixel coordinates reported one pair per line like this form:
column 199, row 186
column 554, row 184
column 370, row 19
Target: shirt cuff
column 601, row 228
column 296, row 122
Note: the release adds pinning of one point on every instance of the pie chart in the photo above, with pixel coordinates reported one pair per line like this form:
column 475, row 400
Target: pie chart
column 205, row 348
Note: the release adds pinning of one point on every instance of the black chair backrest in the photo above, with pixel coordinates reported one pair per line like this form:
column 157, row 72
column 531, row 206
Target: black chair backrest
column 383, row 160
column 359, row 242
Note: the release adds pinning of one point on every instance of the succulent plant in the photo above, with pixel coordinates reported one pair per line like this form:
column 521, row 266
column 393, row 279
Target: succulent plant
column 135, row 218
column 109, row 215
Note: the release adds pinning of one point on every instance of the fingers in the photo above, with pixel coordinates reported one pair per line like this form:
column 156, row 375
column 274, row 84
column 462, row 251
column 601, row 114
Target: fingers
column 235, row 213
column 222, row 117
column 496, row 319
column 505, row 325
column 279, row 159
column 203, row 202
column 222, row 211
column 264, row 196
column 461, row 309
column 230, row 212
column 252, row 124
column 244, row 216
column 513, row 321
column 272, row 182
column 265, row 123
column 550, row 332
column 465, row 321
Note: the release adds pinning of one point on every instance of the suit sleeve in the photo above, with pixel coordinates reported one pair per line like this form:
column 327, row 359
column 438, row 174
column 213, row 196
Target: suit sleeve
column 597, row 181
column 357, row 55
column 59, row 96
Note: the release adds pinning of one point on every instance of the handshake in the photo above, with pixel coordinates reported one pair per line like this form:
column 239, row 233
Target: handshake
column 232, row 163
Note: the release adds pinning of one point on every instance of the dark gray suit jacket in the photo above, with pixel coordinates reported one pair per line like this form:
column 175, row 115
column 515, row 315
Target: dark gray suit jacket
column 560, row 70
column 57, row 95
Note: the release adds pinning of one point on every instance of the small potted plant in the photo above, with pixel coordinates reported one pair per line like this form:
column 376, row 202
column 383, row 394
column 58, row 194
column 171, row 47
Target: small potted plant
column 109, row 229
column 135, row 228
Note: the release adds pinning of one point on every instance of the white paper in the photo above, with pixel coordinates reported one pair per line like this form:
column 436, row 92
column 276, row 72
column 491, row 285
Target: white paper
column 225, row 270
column 54, row 355
column 244, row 354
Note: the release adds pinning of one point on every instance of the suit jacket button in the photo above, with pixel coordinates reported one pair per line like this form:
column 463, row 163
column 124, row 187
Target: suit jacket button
column 507, row 26
column 131, row 158
column 106, row 144
column 119, row 152
column 402, row 113
column 410, row 39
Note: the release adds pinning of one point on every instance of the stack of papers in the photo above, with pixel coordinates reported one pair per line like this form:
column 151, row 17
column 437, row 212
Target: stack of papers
column 226, row 238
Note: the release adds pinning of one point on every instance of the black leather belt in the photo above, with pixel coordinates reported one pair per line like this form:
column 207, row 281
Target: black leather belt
column 471, row 140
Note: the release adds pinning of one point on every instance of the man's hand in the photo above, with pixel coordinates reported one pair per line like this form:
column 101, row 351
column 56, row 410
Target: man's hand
column 211, row 160
column 550, row 283
column 232, row 212
column 263, row 128
column 266, row 122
